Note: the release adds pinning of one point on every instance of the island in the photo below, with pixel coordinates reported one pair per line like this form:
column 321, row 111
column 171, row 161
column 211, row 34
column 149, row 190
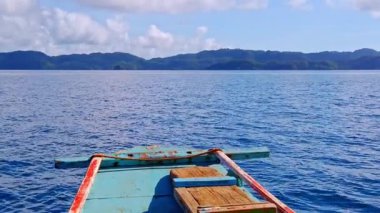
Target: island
column 222, row 59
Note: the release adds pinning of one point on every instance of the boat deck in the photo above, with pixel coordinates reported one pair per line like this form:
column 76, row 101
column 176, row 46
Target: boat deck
column 154, row 179
column 124, row 190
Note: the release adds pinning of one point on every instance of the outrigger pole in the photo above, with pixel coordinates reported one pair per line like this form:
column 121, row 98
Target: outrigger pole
column 252, row 182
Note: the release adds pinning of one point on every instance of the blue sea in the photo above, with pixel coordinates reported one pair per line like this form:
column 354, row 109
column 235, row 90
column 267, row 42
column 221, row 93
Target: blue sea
column 322, row 127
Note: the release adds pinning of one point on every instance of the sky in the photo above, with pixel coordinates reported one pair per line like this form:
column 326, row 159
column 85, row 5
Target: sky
column 160, row 28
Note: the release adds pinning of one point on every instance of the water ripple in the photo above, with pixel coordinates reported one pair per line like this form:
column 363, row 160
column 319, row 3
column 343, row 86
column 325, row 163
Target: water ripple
column 322, row 129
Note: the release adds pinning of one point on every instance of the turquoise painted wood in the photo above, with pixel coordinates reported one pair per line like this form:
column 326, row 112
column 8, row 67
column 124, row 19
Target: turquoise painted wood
column 139, row 186
column 146, row 189
column 137, row 153
column 205, row 181
column 131, row 190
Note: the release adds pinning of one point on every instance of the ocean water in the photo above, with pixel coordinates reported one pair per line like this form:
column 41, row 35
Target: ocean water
column 323, row 129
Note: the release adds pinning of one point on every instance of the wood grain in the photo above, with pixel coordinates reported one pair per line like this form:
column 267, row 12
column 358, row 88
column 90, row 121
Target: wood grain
column 214, row 198
column 197, row 171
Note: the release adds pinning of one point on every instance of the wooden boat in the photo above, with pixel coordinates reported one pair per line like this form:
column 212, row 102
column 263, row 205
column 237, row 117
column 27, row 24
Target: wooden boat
column 157, row 179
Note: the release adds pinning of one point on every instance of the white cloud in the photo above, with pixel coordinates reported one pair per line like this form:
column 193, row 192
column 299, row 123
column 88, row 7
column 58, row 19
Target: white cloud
column 71, row 28
column 300, row 4
column 156, row 38
column 252, row 4
column 370, row 6
column 19, row 25
column 176, row 6
column 15, row 7
column 201, row 30
column 157, row 43
column 55, row 31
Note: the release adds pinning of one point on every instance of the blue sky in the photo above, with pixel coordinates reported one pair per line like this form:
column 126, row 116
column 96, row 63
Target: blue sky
column 154, row 28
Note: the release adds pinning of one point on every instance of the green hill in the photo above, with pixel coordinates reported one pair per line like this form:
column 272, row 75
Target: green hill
column 223, row 59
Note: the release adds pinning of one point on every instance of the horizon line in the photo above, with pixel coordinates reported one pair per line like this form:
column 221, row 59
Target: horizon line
column 194, row 53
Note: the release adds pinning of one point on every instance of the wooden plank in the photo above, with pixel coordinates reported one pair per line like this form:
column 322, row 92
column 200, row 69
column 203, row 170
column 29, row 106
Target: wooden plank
column 196, row 171
column 186, row 200
column 250, row 208
column 82, row 162
column 219, row 196
column 204, row 181
column 219, row 199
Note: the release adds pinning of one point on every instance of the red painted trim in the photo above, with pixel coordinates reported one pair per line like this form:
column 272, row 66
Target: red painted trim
column 85, row 187
column 253, row 183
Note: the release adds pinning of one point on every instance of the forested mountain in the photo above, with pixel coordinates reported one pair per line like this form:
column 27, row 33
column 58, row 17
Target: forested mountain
column 223, row 59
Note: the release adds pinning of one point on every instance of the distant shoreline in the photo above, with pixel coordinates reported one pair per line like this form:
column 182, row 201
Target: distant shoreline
column 223, row 59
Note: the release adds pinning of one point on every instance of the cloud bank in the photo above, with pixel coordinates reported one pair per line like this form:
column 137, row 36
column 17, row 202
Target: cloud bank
column 183, row 6
column 25, row 25
column 369, row 6
column 300, row 4
column 176, row 6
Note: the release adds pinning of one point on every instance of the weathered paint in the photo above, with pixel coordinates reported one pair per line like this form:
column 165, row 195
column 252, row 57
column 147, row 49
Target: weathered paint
column 151, row 204
column 204, row 181
column 138, row 185
column 252, row 182
column 139, row 189
column 85, row 187
column 250, row 208
column 137, row 158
